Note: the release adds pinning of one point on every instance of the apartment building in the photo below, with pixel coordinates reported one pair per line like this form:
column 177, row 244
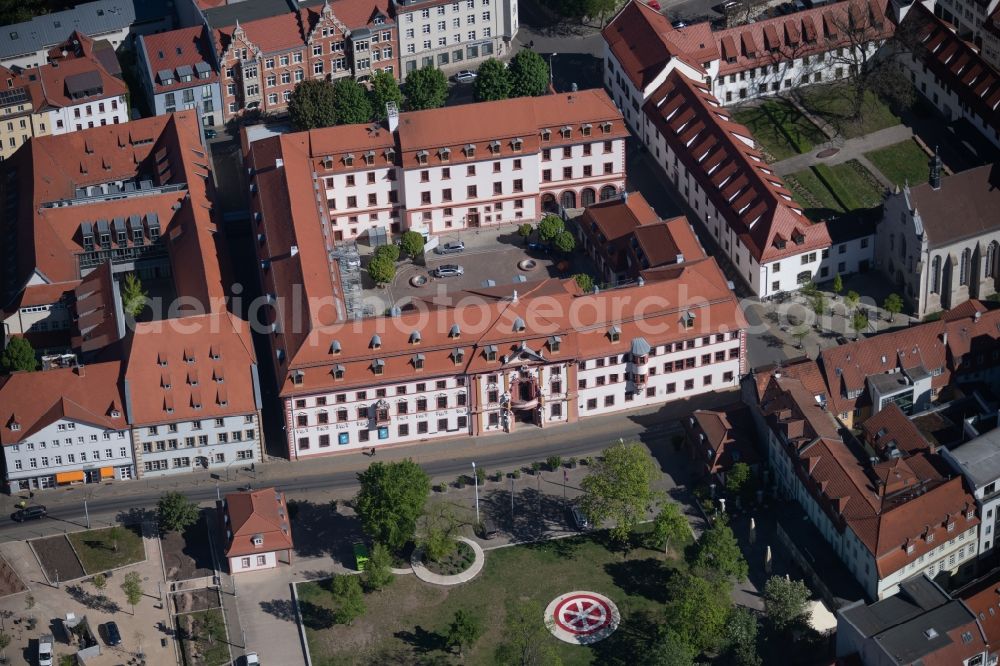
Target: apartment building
column 452, row 168
column 978, row 461
column 256, row 530
column 29, row 44
column 991, row 38
column 193, row 394
column 64, row 426
column 717, row 439
column 888, row 513
column 971, row 18
column 79, row 93
column 179, row 73
column 454, row 34
column 261, row 61
column 18, row 120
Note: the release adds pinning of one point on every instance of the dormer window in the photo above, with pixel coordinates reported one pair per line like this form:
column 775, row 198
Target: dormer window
column 688, row 319
column 444, row 154
column 951, row 526
column 519, row 325
column 930, row 537
column 161, row 359
column 258, row 540
column 378, row 366
column 370, row 157
column 546, row 134
column 554, row 343
column 335, row 347
column 517, row 143
column 213, row 353
column 376, row 342
column 495, row 147
column 349, row 159
column 415, row 338
column 390, row 155
column 606, row 128
column 297, row 377
column 566, row 132
column 586, row 129
column 910, row 548
column 970, row 514
column 15, row 426
column 455, row 331
column 614, row 334
column 338, row 371
column 422, row 157
column 470, row 150
column 418, row 362
column 328, row 162
column 458, row 355
column 490, row 353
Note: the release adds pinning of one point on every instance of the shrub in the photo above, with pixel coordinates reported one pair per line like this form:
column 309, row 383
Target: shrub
column 498, row 476
column 516, row 474
column 391, row 251
column 553, row 463
column 535, row 467
column 480, row 475
column 572, row 462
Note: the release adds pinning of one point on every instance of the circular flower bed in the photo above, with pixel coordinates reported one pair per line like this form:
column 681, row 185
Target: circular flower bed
column 460, row 559
column 418, row 280
column 527, row 264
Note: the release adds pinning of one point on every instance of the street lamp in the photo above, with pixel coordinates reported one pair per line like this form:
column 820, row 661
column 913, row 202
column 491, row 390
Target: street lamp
column 475, row 477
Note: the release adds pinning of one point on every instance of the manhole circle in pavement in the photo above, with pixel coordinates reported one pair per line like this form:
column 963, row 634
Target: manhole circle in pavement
column 582, row 617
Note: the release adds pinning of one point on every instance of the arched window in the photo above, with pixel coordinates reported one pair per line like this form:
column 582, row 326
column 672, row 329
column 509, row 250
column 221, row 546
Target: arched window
column 963, row 266
column 991, row 258
column 936, row 275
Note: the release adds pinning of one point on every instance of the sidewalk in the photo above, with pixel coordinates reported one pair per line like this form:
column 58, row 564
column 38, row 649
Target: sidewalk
column 849, row 149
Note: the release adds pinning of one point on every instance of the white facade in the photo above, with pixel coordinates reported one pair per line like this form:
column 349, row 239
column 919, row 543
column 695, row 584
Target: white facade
column 185, row 446
column 71, row 447
column 457, row 34
column 87, row 114
column 38, row 319
column 255, row 562
column 948, row 102
column 362, row 200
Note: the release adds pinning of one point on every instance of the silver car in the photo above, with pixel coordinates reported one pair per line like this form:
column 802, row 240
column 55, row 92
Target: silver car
column 465, row 76
column 448, row 270
column 453, row 247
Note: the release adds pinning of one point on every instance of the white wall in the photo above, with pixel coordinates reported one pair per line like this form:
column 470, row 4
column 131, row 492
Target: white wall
column 185, row 446
column 945, row 100
column 65, row 119
column 251, row 562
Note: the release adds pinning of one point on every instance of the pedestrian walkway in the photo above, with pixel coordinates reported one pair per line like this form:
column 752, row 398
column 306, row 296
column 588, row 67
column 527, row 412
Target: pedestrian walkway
column 428, row 576
column 846, row 150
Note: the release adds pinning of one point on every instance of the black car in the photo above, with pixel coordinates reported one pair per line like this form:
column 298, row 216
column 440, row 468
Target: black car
column 490, row 529
column 111, row 634
column 29, row 513
column 211, row 134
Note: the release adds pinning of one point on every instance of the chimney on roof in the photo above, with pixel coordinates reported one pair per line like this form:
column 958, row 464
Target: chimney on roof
column 641, row 281
column 294, row 250
column 977, row 315
column 514, row 297
column 392, row 115
column 935, row 175
column 80, row 369
column 624, row 196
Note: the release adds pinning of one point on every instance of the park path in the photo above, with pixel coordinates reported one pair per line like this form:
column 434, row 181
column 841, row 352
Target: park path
column 848, row 149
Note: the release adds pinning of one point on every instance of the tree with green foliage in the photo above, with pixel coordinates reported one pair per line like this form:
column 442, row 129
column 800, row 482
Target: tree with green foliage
column 838, row 284
column 524, row 231
column 464, row 630
column 620, row 488
column 412, row 243
column 19, row 355
column 439, row 529
column 808, row 289
column 133, row 295
column 425, row 88
column 4, row 642
column 737, row 478
column 378, row 568
column 668, row 648
column 784, row 601
column 132, row 587
column 384, row 89
column 670, row 527
column 800, row 334
column 390, row 252
column 893, row 304
column 697, row 609
column 176, row 511
column 818, row 305
column 391, row 498
column 492, row 82
column 312, row 105
column 351, row 103
column 100, row 581
column 717, row 550
column 382, row 270
column 859, row 322
column 741, row 639
column 585, row 282
column 564, row 241
column 852, row 299
column 549, row 227
column 529, row 74
column 525, row 639
column 349, row 597
column 114, row 536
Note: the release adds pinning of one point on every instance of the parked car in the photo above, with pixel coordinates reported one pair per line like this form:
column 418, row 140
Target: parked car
column 580, row 520
column 454, row 247
column 45, row 650
column 111, row 634
column 679, row 23
column 211, row 134
column 490, row 529
column 544, row 248
column 251, row 659
column 448, row 270
column 465, row 76
column 29, row 513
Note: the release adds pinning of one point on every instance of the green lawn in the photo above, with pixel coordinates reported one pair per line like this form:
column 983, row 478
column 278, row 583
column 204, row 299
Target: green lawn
column 203, row 638
column 903, row 162
column 406, row 622
column 97, row 548
column 841, row 188
column 833, row 103
column 780, row 128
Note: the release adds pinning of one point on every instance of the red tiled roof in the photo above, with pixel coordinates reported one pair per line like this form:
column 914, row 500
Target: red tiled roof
column 166, row 51
column 891, row 429
column 801, row 34
column 53, row 79
column 717, row 151
column 957, row 64
column 95, row 314
column 729, row 432
column 195, row 367
column 262, row 513
column 983, row 599
column 643, row 41
column 33, row 400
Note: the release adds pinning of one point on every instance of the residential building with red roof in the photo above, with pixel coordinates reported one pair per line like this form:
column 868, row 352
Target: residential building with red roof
column 136, row 195
column 978, row 461
column 193, row 394
column 717, row 439
column 257, row 531
column 178, row 72
column 624, row 237
column 890, row 515
column 441, row 170
column 64, row 426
